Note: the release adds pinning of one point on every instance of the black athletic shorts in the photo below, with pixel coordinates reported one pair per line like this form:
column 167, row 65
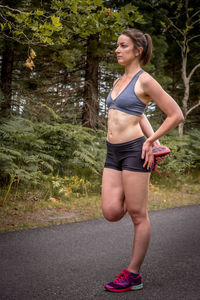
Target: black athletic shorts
column 126, row 156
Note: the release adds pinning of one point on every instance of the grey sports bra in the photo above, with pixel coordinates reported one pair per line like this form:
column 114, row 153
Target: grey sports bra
column 127, row 101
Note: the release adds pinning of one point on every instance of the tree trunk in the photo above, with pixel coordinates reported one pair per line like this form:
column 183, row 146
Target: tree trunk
column 186, row 85
column 91, row 104
column 180, row 129
column 6, row 81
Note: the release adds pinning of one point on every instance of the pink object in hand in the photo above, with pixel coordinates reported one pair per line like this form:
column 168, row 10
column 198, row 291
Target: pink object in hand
column 159, row 151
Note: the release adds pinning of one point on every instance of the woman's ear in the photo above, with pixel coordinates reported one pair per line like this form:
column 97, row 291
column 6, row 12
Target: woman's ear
column 138, row 51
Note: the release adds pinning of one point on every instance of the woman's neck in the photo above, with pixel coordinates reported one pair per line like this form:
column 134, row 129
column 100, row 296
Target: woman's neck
column 132, row 69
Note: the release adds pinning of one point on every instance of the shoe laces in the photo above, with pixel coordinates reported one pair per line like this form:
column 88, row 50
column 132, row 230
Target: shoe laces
column 123, row 275
column 154, row 167
column 156, row 162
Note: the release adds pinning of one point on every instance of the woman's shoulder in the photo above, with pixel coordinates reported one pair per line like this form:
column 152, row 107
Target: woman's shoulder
column 145, row 77
column 147, row 81
column 150, row 86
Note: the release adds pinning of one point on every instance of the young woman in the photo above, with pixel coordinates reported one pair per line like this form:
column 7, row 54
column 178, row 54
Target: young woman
column 129, row 155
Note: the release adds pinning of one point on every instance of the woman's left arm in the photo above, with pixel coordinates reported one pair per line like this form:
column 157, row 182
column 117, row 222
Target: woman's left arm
column 167, row 104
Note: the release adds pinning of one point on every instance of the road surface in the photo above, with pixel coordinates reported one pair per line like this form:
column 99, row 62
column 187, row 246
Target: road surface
column 73, row 261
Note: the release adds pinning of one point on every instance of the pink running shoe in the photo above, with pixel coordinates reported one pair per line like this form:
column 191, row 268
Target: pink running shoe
column 125, row 282
column 159, row 151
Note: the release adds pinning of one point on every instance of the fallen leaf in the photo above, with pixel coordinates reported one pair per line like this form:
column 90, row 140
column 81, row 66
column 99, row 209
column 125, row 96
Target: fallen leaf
column 32, row 54
column 53, row 200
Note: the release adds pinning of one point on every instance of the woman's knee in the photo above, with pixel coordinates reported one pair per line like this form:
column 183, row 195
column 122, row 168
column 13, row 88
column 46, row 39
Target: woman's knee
column 139, row 217
column 113, row 215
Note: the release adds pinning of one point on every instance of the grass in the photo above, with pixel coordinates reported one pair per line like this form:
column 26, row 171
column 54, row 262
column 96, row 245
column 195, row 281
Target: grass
column 33, row 209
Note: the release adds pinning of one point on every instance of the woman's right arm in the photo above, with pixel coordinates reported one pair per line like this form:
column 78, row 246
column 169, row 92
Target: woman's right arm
column 147, row 128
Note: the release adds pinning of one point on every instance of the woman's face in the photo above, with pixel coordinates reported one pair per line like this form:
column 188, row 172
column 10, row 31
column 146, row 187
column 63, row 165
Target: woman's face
column 125, row 51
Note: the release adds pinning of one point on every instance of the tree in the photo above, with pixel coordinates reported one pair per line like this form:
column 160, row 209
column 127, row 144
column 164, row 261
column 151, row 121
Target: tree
column 6, row 80
column 19, row 24
column 184, row 26
column 64, row 25
column 97, row 27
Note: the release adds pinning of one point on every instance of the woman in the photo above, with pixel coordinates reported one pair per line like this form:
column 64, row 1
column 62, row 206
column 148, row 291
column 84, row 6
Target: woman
column 129, row 155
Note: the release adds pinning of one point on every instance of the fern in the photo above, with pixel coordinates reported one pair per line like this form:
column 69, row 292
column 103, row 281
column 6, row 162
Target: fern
column 30, row 151
column 185, row 153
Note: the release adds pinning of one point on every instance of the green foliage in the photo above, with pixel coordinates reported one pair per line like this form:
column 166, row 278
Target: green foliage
column 68, row 57
column 68, row 159
column 21, row 152
column 79, row 150
column 185, row 153
column 68, row 18
column 30, row 151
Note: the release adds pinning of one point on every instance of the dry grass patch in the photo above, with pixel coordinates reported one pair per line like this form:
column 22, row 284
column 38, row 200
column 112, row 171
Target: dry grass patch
column 162, row 198
column 32, row 210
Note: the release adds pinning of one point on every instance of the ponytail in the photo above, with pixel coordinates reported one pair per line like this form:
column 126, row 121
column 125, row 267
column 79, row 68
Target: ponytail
column 147, row 51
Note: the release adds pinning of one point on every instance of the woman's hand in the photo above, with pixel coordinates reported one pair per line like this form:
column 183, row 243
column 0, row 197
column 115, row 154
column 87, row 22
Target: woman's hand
column 147, row 154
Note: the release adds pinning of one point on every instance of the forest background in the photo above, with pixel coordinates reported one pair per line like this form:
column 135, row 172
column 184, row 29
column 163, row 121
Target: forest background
column 57, row 66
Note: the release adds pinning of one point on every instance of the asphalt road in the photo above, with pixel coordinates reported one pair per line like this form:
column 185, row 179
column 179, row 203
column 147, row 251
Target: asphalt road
column 73, row 261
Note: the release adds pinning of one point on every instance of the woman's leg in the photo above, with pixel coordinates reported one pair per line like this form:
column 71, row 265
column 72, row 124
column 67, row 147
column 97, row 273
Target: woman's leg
column 113, row 205
column 135, row 185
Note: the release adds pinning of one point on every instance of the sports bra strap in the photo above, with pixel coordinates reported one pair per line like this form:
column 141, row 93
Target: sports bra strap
column 116, row 81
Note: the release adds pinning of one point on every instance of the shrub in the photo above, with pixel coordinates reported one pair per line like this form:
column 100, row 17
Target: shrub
column 30, row 151
column 185, row 153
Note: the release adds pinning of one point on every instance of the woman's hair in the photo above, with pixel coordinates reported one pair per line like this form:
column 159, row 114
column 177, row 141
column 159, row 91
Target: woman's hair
column 140, row 39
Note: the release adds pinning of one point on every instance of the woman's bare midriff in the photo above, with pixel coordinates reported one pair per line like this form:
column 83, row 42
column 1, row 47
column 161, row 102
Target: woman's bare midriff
column 122, row 127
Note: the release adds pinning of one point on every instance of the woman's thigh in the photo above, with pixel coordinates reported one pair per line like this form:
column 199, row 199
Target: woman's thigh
column 112, row 194
column 136, row 187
